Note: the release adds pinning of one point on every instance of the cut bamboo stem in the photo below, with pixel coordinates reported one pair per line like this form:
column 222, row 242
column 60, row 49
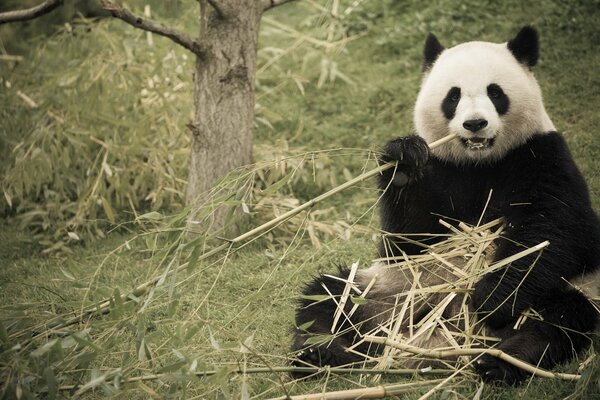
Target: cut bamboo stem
column 267, row 370
column 376, row 392
column 104, row 306
column 440, row 354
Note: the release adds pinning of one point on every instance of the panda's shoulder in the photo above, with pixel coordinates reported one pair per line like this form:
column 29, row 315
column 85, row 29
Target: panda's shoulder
column 547, row 142
column 541, row 148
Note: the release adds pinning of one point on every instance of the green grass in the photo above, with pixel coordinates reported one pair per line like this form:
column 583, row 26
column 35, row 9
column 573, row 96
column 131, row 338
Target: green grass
column 198, row 320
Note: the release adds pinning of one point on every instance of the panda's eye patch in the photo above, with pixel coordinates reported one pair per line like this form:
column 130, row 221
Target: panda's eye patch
column 450, row 102
column 498, row 98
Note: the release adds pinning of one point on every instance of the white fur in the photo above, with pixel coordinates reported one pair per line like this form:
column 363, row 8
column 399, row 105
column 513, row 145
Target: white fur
column 472, row 67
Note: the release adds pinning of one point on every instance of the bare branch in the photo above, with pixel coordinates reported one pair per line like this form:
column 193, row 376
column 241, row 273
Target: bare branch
column 29, row 13
column 214, row 4
column 181, row 38
column 268, row 4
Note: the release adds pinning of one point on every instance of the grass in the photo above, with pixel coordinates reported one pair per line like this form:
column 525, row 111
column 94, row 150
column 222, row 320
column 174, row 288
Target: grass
column 200, row 320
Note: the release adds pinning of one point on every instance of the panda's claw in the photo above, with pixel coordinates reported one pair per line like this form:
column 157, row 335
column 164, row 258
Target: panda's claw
column 494, row 370
column 312, row 356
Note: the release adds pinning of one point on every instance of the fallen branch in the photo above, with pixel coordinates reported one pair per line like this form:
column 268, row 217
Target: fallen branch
column 181, row 38
column 440, row 354
column 30, row 13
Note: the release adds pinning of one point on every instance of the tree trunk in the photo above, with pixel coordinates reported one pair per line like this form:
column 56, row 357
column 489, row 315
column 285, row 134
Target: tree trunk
column 223, row 96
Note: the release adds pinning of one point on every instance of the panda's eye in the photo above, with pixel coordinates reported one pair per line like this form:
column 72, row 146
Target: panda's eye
column 454, row 94
column 494, row 91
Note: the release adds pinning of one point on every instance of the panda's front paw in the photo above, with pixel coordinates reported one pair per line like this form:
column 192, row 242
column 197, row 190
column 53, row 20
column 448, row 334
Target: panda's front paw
column 494, row 370
column 316, row 356
column 411, row 153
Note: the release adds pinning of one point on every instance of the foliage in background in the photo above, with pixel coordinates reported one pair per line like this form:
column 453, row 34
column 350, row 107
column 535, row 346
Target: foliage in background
column 95, row 118
column 234, row 311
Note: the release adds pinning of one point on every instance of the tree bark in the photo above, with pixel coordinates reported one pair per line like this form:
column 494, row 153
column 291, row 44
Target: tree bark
column 222, row 129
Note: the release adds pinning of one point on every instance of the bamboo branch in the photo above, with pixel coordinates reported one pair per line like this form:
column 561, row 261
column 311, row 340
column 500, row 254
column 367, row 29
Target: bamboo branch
column 103, row 307
column 376, row 392
column 181, row 38
column 268, row 4
column 30, row 13
column 473, row 352
column 266, row 370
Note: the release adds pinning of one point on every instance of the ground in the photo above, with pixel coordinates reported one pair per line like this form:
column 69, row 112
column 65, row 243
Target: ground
column 235, row 310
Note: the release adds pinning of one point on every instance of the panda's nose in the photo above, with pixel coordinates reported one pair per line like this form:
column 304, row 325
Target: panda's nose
column 475, row 125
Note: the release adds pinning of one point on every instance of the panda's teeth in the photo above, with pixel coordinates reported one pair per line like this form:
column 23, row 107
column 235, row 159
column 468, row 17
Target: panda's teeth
column 477, row 143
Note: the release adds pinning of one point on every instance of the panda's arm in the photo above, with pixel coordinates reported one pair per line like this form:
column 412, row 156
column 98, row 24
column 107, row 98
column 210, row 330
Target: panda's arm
column 558, row 210
column 405, row 203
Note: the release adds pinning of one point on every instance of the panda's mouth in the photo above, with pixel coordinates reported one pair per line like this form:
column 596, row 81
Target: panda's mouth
column 477, row 144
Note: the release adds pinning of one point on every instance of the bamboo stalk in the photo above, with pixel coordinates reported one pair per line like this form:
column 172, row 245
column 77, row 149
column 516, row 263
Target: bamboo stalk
column 376, row 392
column 473, row 352
column 103, row 307
column 267, row 370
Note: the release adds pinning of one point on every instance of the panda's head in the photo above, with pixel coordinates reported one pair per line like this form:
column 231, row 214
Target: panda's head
column 483, row 92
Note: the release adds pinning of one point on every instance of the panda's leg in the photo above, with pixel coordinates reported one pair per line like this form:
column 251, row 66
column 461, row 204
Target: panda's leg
column 315, row 316
column 566, row 317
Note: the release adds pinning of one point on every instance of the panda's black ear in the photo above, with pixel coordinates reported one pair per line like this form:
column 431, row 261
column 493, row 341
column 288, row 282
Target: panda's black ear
column 433, row 49
column 526, row 46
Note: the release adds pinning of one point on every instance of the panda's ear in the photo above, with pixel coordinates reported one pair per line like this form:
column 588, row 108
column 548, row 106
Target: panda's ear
column 526, row 46
column 433, row 49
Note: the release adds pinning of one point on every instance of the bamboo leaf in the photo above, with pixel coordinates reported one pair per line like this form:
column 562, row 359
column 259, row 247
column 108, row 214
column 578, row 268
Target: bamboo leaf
column 276, row 187
column 51, row 383
column 3, row 333
column 317, row 339
column 67, row 274
column 73, row 236
column 315, row 297
column 247, row 345
column 46, row 347
column 177, row 365
column 358, row 300
column 306, row 325
column 213, row 341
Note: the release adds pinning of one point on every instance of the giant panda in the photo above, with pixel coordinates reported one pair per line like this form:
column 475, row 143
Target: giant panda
column 506, row 145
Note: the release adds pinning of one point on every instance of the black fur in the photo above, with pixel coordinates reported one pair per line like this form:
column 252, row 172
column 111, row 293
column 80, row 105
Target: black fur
column 499, row 98
column 541, row 195
column 433, row 48
column 525, row 46
column 320, row 313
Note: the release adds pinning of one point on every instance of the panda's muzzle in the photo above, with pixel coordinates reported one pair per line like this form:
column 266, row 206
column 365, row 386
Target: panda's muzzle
column 476, row 143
